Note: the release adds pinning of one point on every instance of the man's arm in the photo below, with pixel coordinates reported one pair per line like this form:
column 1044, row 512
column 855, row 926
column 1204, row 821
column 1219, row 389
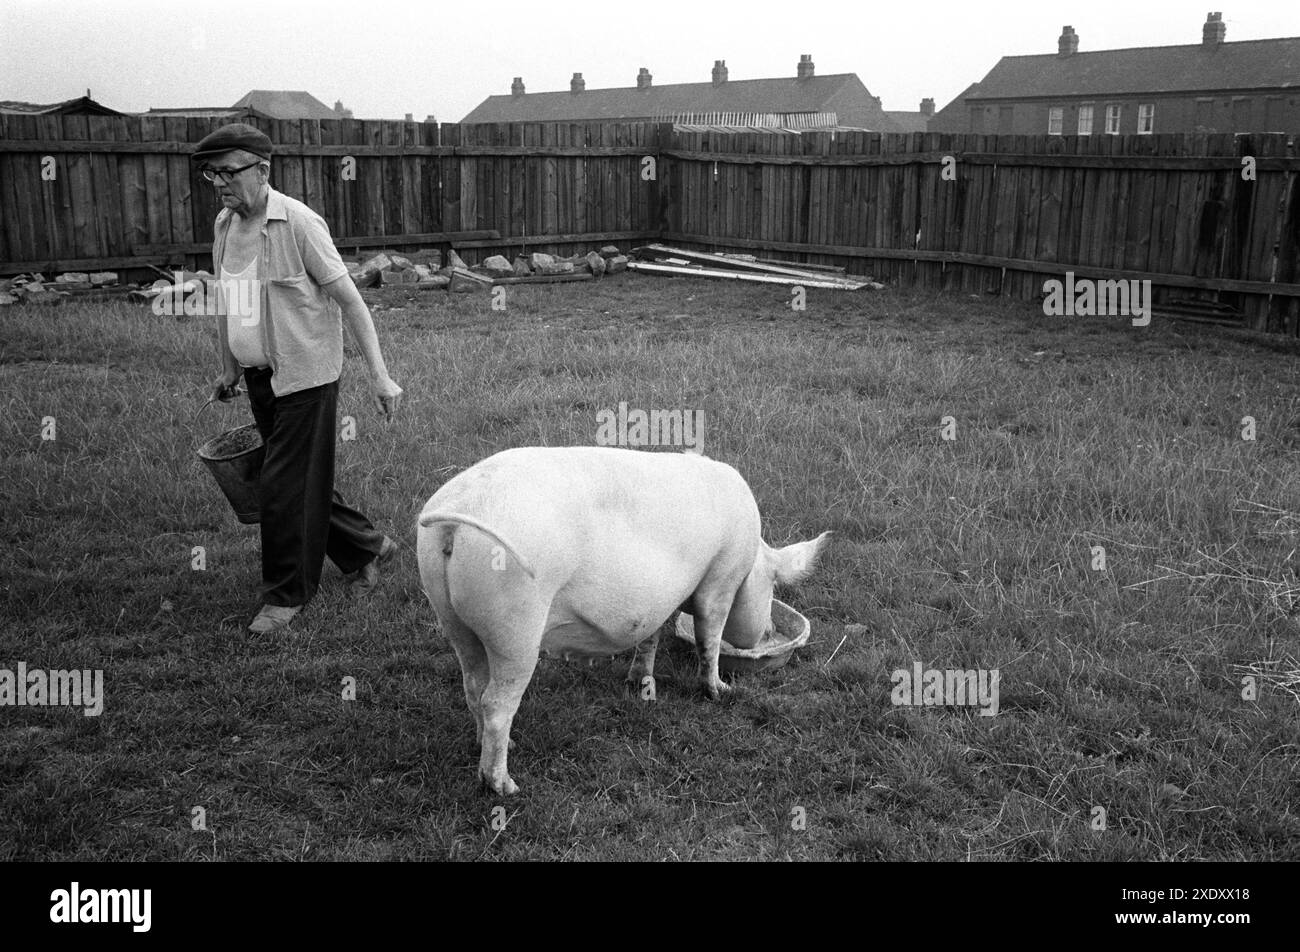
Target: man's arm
column 230, row 369
column 357, row 317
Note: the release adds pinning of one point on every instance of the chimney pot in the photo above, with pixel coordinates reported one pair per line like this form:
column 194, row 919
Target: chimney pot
column 1213, row 32
column 719, row 72
column 805, row 66
column 577, row 84
column 1068, row 44
column 517, row 87
column 927, row 107
column 643, row 79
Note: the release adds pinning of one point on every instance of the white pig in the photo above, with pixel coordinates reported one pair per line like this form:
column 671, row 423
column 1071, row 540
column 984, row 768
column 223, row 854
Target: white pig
column 588, row 550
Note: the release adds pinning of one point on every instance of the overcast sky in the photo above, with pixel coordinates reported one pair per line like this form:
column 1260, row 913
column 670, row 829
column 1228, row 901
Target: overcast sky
column 388, row 58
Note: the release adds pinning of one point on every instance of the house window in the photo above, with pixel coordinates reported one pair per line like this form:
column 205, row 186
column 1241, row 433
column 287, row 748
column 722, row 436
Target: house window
column 1085, row 119
column 1241, row 114
column 1146, row 118
column 1205, row 115
column 1274, row 112
column 1112, row 119
column 1055, row 120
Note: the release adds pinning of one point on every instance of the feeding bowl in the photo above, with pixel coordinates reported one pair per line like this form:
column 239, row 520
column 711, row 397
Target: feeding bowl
column 790, row 631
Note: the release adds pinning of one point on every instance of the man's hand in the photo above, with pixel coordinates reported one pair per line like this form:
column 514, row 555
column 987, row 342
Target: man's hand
column 223, row 388
column 387, row 394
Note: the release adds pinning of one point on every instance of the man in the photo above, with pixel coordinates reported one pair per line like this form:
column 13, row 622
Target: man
column 282, row 277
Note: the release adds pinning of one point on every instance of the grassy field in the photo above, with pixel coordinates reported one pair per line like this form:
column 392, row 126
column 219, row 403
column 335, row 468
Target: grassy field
column 1120, row 689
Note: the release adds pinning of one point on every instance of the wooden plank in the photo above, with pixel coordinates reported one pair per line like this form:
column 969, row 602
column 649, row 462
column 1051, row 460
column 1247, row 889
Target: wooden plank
column 180, row 177
column 157, row 209
column 391, row 133
column 805, row 280
column 544, row 279
column 718, row 261
column 312, row 172
column 550, row 192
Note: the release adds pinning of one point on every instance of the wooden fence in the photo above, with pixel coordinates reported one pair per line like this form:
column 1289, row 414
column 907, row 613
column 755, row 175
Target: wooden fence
column 106, row 191
column 961, row 212
column 1005, row 213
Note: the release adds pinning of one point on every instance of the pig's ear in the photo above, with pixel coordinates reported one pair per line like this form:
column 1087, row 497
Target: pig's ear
column 796, row 562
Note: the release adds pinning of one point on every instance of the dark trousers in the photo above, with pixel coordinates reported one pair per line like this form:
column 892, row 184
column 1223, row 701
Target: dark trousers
column 303, row 518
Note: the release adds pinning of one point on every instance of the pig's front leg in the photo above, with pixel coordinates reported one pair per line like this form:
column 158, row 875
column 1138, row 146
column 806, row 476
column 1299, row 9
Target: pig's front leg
column 641, row 674
column 710, row 620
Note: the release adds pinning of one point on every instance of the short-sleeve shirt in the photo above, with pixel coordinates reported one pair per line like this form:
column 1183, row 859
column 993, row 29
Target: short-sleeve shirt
column 302, row 328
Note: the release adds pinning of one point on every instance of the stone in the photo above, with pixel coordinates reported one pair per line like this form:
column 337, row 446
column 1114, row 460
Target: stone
column 398, row 277
column 616, row 264
column 399, row 263
column 522, row 268
column 609, row 251
column 435, row 281
column 73, row 277
column 464, row 280
column 429, row 257
column 540, row 262
column 422, row 271
column 555, row 267
column 596, row 263
column 499, row 266
column 99, row 278
column 6, row 298
column 454, row 261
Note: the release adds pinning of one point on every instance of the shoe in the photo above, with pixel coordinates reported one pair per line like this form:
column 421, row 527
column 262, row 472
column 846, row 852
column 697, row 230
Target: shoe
column 364, row 582
column 273, row 617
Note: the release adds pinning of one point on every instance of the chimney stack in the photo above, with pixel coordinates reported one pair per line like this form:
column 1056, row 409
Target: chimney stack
column 643, row 79
column 719, row 72
column 1213, row 32
column 805, row 66
column 410, row 117
column 1068, row 44
column 517, row 87
column 927, row 107
column 577, row 84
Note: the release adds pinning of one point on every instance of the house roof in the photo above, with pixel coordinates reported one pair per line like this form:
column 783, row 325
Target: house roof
column 909, row 121
column 287, row 104
column 780, row 95
column 206, row 112
column 1246, row 64
column 82, row 105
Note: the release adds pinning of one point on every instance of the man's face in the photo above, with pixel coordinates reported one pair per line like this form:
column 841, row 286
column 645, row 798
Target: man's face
column 238, row 190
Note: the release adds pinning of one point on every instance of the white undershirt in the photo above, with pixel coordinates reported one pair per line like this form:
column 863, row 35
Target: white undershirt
column 243, row 303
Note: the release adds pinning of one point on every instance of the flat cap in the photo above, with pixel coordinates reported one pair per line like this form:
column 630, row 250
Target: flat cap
column 234, row 135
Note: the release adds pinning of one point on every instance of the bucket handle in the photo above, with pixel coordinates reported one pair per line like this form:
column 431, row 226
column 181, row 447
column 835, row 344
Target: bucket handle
column 227, row 393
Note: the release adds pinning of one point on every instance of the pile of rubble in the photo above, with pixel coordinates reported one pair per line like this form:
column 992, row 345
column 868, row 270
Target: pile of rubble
column 425, row 270
column 36, row 289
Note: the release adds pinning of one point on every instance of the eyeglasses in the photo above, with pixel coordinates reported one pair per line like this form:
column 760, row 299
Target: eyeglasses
column 226, row 174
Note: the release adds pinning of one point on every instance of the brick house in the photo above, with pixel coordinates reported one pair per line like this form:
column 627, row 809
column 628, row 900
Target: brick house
column 1213, row 86
column 803, row 95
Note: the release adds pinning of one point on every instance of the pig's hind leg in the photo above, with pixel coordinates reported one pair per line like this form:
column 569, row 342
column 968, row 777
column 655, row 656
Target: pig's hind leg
column 473, row 666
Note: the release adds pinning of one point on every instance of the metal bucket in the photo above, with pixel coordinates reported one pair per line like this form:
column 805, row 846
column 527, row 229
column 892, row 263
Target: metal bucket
column 235, row 460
